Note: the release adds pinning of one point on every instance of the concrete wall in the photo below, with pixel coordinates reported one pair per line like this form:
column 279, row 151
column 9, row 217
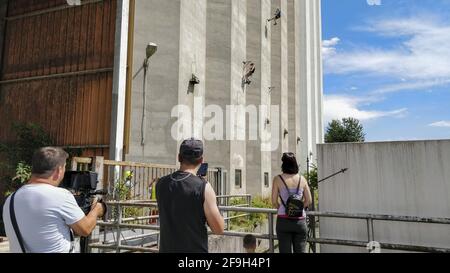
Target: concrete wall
column 253, row 91
column 212, row 39
column 319, row 74
column 308, row 80
column 276, row 81
column 179, row 30
column 304, row 80
column 284, row 85
column 218, row 73
column 161, row 26
column 397, row 178
column 192, row 61
column 238, row 156
column 266, row 129
column 226, row 51
column 292, row 104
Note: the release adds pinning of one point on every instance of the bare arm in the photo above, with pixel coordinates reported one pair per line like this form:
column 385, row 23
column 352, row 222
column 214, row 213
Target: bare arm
column 307, row 194
column 275, row 202
column 213, row 216
column 85, row 226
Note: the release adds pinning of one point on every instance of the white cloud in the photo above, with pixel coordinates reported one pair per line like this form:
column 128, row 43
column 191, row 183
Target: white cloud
column 338, row 107
column 412, row 86
column 329, row 47
column 441, row 124
column 422, row 59
column 374, row 2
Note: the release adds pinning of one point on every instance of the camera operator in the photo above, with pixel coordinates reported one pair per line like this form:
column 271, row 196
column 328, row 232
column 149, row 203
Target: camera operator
column 45, row 214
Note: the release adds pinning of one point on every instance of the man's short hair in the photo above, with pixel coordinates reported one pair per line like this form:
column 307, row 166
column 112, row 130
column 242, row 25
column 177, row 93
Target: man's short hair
column 47, row 160
column 249, row 241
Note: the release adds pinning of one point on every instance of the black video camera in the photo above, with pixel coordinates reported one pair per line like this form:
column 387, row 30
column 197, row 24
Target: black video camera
column 83, row 185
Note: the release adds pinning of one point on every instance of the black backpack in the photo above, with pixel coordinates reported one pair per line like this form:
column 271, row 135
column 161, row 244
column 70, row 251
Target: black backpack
column 294, row 205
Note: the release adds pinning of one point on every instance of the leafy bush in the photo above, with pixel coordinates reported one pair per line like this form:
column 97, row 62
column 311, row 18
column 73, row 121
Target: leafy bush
column 23, row 174
column 249, row 223
column 122, row 192
column 313, row 183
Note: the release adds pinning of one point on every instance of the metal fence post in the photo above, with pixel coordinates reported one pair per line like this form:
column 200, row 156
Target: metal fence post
column 370, row 232
column 312, row 219
column 228, row 220
column 271, row 234
column 119, row 222
column 98, row 167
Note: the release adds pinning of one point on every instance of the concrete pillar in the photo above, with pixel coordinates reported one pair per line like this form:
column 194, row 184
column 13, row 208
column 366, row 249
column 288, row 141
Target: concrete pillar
column 254, row 44
column 320, row 122
column 238, row 155
column 192, row 63
column 279, row 71
column 225, row 54
column 266, row 84
column 303, row 80
column 218, row 75
column 119, row 81
column 314, row 76
column 292, row 103
column 284, row 76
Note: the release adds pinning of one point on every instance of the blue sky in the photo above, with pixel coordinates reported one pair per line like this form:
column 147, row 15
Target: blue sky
column 387, row 63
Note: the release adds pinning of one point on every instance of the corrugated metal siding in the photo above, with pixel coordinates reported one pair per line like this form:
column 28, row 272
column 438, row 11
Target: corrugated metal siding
column 76, row 109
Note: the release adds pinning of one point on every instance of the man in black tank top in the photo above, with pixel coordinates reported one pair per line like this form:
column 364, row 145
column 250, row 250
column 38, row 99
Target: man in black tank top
column 186, row 204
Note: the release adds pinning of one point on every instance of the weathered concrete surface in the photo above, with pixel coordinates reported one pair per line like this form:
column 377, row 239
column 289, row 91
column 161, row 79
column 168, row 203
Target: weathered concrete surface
column 211, row 39
column 159, row 25
column 397, row 178
column 254, row 28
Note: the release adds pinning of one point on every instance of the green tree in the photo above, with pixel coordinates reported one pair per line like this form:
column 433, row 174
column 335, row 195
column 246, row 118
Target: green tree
column 347, row 130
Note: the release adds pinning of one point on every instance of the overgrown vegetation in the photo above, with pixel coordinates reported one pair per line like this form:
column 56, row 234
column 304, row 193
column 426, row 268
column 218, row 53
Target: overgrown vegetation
column 123, row 192
column 312, row 178
column 16, row 167
column 251, row 222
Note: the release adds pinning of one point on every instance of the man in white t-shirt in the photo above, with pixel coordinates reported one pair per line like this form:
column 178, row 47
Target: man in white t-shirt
column 45, row 214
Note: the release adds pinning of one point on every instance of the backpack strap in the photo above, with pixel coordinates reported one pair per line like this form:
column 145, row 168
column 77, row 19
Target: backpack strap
column 287, row 188
column 14, row 223
column 299, row 183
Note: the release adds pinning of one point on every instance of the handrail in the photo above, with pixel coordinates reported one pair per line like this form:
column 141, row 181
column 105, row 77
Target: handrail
column 234, row 196
column 393, row 218
column 271, row 236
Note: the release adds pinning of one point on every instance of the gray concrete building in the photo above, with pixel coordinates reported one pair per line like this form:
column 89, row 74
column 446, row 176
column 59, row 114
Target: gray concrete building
column 202, row 48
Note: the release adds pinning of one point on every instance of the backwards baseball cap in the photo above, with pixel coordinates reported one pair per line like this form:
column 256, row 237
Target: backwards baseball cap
column 191, row 149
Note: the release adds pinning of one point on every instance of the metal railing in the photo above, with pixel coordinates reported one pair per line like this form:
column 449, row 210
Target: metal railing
column 144, row 175
column 370, row 219
column 118, row 224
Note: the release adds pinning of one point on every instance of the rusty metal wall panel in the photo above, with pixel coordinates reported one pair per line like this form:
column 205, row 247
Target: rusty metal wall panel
column 19, row 7
column 74, row 109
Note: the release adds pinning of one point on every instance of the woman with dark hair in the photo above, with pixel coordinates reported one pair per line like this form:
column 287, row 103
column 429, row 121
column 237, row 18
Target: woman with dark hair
column 291, row 187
